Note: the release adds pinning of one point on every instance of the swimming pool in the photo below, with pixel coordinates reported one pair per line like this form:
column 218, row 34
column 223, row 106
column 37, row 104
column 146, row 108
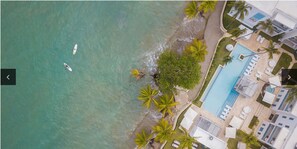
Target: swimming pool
column 220, row 90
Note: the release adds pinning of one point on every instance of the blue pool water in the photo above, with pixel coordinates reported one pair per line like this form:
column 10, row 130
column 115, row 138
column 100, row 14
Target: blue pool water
column 220, row 92
column 258, row 16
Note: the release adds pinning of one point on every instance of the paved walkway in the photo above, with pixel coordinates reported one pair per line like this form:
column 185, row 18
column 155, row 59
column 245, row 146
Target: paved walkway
column 211, row 36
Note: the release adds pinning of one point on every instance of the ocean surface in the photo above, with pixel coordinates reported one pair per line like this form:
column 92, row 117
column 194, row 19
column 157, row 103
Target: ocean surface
column 96, row 105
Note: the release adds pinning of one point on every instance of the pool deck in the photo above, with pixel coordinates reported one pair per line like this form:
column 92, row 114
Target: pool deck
column 258, row 109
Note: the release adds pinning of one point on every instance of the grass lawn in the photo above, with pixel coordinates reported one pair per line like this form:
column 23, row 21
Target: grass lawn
column 232, row 143
column 254, row 122
column 294, row 66
column 289, row 49
column 221, row 52
column 259, row 99
column 228, row 21
column 284, row 61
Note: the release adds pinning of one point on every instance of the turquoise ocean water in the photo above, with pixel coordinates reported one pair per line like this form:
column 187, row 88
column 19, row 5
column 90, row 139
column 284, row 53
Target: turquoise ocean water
column 95, row 106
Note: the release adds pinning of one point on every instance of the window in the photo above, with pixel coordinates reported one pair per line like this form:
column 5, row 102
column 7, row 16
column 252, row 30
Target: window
column 287, row 126
column 291, row 118
column 259, row 133
column 280, row 124
column 273, row 105
column 279, row 95
column 277, row 99
column 284, row 117
column 282, row 90
column 261, row 129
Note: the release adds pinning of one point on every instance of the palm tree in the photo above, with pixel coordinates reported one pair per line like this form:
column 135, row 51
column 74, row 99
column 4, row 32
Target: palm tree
column 292, row 94
column 147, row 95
column 270, row 50
column 207, row 6
column 142, row 139
column 191, row 10
column 163, row 131
column 165, row 104
column 236, row 32
column 250, row 140
column 241, row 9
column 265, row 25
column 197, row 49
column 186, row 141
column 137, row 74
column 227, row 59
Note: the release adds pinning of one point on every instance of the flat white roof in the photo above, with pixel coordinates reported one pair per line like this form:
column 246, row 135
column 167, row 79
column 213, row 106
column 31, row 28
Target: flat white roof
column 191, row 114
column 268, row 6
column 285, row 20
column 292, row 141
column 236, row 122
column 204, row 138
column 230, row 132
column 281, row 137
column 294, row 110
column 268, row 97
column 186, row 123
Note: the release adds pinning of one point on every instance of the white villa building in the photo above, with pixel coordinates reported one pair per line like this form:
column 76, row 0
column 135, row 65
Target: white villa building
column 281, row 130
column 282, row 13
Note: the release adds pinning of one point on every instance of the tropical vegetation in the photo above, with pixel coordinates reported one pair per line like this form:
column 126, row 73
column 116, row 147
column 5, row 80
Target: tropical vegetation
column 265, row 25
column 227, row 59
column 191, row 10
column 177, row 70
column 241, row 9
column 163, row 131
column 186, row 141
column 292, row 94
column 142, row 139
column 137, row 74
column 197, row 49
column 250, row 140
column 284, row 61
column 165, row 104
column 271, row 50
column 147, row 95
column 207, row 6
column 236, row 32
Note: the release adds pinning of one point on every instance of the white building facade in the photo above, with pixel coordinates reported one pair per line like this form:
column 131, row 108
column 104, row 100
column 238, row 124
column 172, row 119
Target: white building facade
column 281, row 130
column 282, row 13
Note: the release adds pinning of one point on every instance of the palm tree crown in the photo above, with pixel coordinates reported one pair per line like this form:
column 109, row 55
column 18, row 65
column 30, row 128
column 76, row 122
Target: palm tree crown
column 241, row 9
column 236, row 32
column 207, row 6
column 270, row 49
column 142, row 139
column 250, row 139
column 227, row 59
column 165, row 104
column 266, row 25
column 197, row 49
column 163, row 131
column 191, row 10
column 147, row 95
column 186, row 141
column 292, row 94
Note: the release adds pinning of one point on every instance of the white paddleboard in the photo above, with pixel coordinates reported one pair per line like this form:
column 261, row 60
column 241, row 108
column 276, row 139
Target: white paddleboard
column 74, row 49
column 67, row 67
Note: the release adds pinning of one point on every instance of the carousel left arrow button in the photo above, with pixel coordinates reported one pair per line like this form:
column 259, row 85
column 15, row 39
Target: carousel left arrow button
column 8, row 77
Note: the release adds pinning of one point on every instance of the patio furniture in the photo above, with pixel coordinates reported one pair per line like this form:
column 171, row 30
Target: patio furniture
column 268, row 71
column 174, row 145
column 262, row 40
column 243, row 115
column 259, row 38
column 222, row 116
column 247, row 73
column 176, row 142
column 271, row 63
column 229, row 47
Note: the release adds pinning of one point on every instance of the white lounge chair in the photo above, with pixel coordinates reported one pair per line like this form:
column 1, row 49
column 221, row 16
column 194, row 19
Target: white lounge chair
column 250, row 67
column 258, row 75
column 243, row 115
column 227, row 106
column 246, row 73
column 259, row 38
column 174, row 145
column 268, row 71
column 262, row 40
column 195, row 145
column 176, row 142
column 223, row 116
column 226, row 110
